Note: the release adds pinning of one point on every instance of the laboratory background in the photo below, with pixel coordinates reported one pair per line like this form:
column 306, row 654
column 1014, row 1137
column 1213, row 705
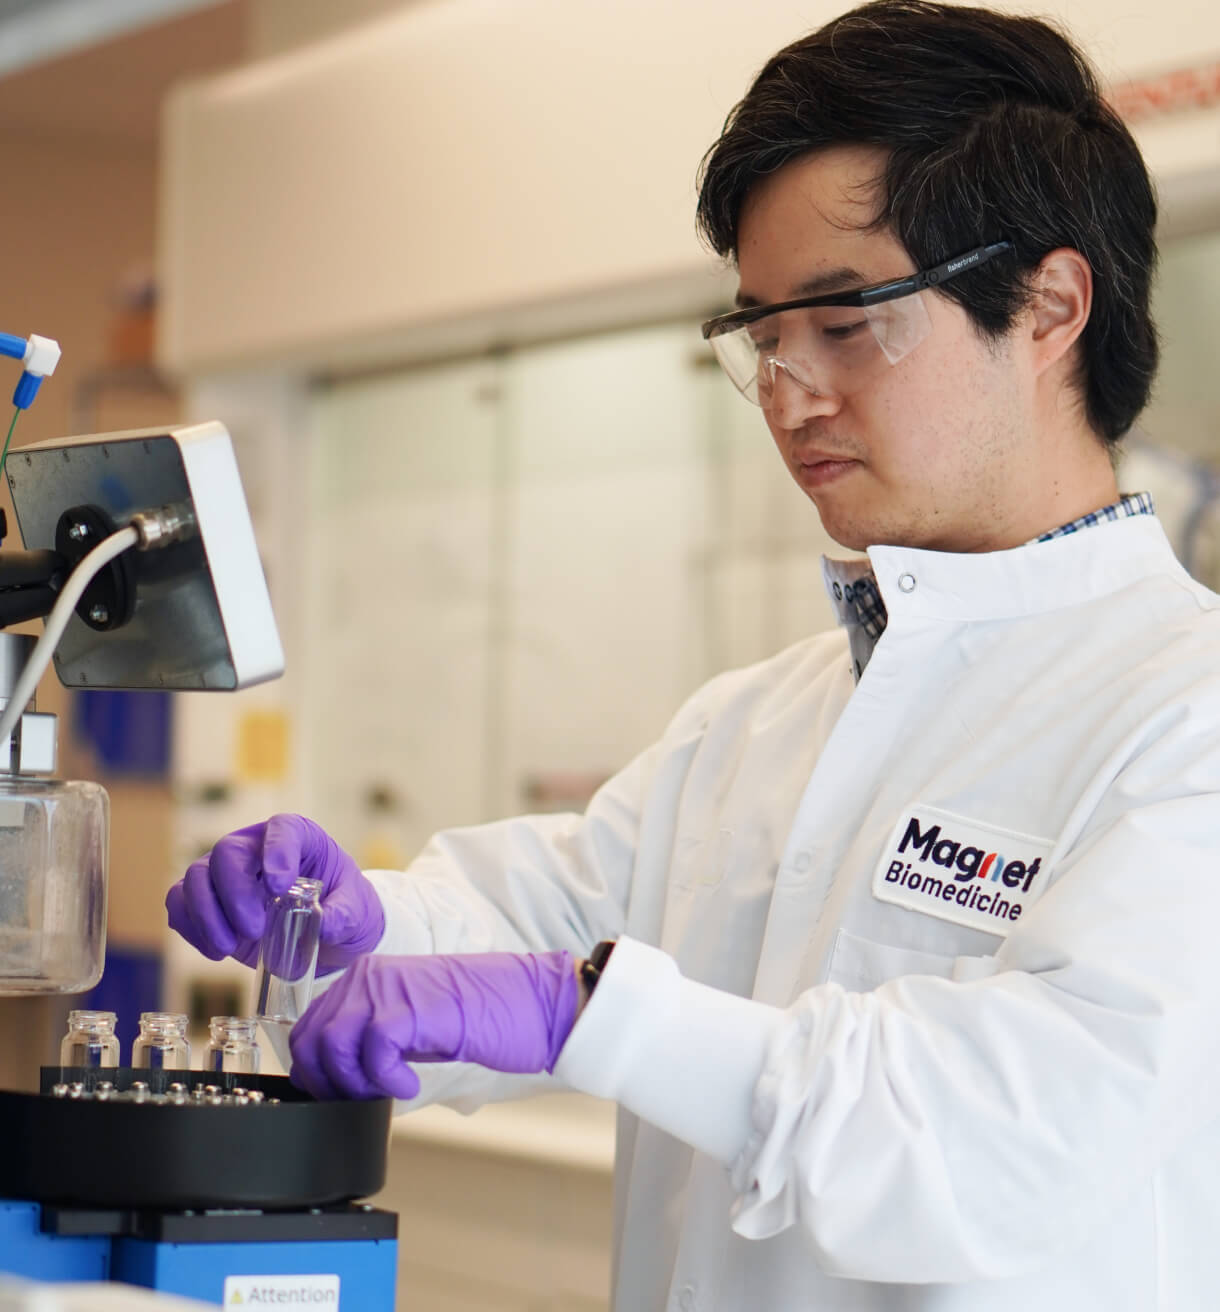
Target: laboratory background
column 433, row 265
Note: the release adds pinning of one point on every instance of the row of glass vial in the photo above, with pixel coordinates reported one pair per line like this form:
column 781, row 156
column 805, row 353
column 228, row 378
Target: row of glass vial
column 287, row 964
column 162, row 1043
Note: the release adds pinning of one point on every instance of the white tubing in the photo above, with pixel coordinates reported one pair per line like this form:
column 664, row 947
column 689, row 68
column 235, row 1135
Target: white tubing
column 57, row 622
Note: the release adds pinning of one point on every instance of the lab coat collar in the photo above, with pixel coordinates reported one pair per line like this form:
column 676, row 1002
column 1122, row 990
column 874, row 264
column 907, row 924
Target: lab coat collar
column 1027, row 580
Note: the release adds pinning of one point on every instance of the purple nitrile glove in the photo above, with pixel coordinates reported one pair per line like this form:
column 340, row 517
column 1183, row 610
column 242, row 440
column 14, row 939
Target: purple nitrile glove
column 220, row 905
column 501, row 1010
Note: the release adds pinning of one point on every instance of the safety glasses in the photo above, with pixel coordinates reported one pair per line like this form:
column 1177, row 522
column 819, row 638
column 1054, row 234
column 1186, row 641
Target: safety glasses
column 833, row 344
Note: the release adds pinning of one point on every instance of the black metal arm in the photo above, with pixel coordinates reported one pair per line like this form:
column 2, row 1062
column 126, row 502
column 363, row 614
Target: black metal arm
column 29, row 584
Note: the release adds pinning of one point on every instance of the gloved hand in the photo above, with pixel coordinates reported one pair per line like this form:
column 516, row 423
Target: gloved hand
column 220, row 905
column 497, row 1009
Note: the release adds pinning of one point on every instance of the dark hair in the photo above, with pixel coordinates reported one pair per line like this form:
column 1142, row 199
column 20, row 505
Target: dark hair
column 995, row 129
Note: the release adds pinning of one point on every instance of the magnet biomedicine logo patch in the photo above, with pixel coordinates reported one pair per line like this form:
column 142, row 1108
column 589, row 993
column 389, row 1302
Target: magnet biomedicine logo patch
column 958, row 869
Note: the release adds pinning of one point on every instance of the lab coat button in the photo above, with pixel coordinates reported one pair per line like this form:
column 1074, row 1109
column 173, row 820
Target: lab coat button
column 686, row 1299
column 802, row 862
column 906, row 582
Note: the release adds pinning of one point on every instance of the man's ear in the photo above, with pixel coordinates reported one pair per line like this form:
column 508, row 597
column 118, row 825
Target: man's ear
column 1059, row 308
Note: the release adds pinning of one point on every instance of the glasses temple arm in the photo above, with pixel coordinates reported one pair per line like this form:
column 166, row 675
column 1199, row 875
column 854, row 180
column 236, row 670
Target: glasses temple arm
column 960, row 264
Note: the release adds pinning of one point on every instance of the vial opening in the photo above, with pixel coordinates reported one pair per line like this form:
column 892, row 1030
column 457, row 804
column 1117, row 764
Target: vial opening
column 79, row 1020
column 163, row 1022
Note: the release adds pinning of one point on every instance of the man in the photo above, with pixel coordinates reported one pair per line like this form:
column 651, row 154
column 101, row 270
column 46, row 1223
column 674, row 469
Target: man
column 911, row 1002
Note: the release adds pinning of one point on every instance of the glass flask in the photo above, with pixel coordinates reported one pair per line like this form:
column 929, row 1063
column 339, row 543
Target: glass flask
column 289, row 953
column 90, row 1040
column 233, row 1045
column 162, row 1043
column 53, row 843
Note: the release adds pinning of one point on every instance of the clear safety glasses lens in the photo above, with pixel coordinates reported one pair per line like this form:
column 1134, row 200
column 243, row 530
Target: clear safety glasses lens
column 831, row 350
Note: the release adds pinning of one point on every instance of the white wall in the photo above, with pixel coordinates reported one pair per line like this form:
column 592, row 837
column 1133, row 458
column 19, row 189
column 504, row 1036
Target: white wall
column 467, row 171
column 521, row 567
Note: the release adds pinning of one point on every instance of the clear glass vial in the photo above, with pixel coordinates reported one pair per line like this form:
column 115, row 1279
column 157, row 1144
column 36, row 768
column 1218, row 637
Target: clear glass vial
column 90, row 1040
column 162, row 1043
column 289, row 954
column 233, row 1045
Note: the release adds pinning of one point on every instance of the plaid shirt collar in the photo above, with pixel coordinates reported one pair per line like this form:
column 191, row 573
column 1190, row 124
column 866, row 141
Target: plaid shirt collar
column 861, row 608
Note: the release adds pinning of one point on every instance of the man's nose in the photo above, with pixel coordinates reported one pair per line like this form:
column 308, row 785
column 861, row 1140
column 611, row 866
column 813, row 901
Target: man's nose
column 795, row 400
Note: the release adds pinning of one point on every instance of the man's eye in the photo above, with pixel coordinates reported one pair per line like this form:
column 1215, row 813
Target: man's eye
column 841, row 332
column 762, row 336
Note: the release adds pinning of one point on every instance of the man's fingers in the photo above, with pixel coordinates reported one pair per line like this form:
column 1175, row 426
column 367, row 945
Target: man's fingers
column 234, row 868
column 381, row 1056
column 305, row 1075
column 179, row 918
column 280, row 858
column 213, row 935
column 303, row 1042
column 339, row 1057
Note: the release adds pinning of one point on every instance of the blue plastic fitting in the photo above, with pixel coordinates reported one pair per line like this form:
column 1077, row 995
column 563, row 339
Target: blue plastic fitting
column 27, row 390
column 12, row 346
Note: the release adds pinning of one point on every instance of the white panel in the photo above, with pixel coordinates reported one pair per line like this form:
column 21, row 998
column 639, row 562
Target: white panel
column 403, row 476
column 605, row 519
column 523, row 567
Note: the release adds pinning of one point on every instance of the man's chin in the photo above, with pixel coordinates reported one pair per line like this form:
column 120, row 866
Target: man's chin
column 850, row 536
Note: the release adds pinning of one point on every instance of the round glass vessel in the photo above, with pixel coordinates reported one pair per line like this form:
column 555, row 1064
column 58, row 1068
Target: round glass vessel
column 54, row 837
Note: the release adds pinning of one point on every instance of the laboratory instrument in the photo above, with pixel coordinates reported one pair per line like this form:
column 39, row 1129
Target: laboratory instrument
column 140, row 558
column 181, row 1183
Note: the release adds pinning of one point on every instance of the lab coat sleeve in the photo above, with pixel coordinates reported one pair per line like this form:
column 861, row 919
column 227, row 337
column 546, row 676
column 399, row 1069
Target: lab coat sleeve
column 538, row 883
column 957, row 1129
column 530, row 884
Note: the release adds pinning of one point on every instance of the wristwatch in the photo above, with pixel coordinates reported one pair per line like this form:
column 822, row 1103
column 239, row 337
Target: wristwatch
column 593, row 965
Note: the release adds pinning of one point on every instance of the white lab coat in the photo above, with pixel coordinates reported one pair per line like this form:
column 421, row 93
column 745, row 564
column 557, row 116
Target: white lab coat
column 837, row 1102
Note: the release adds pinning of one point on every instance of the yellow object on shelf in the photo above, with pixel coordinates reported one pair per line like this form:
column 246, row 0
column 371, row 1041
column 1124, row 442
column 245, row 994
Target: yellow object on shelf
column 262, row 746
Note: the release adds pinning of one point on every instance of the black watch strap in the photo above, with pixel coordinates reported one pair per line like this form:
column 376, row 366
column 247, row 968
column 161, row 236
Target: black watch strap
column 593, row 965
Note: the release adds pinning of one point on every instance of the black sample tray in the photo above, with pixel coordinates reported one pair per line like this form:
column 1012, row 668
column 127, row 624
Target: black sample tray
column 230, row 1225
column 122, row 1154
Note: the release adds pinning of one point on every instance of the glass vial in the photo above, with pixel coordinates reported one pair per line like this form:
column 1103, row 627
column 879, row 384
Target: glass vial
column 90, row 1040
column 289, row 953
column 162, row 1042
column 233, row 1045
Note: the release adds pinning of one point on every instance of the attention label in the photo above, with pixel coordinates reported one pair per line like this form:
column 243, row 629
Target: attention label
column 958, row 869
column 282, row 1291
